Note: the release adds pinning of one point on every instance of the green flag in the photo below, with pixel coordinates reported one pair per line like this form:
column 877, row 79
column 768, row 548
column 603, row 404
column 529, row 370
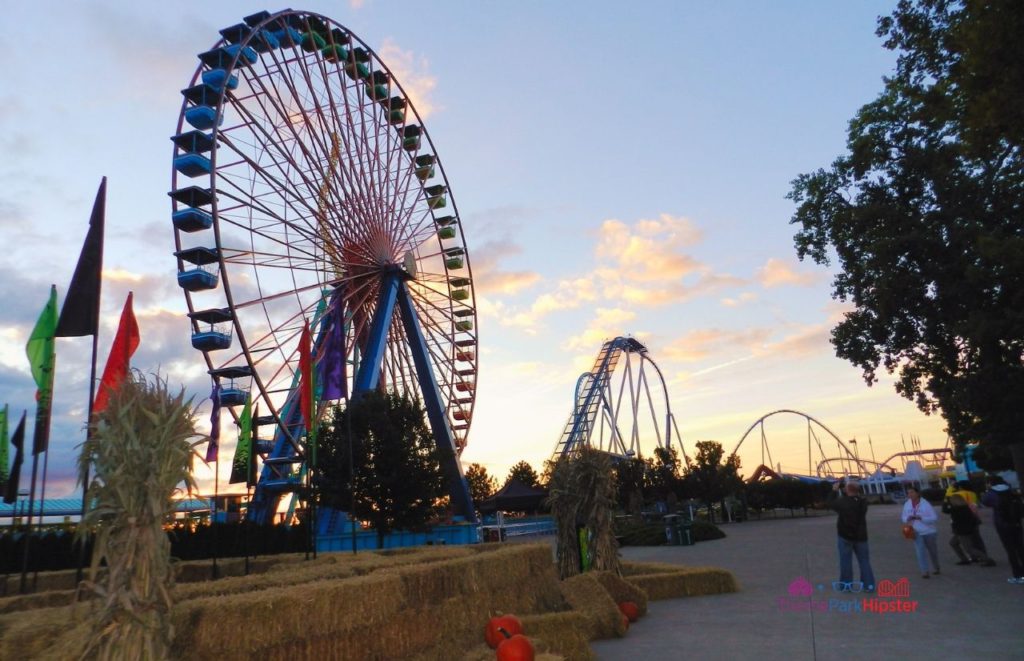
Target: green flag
column 5, row 460
column 41, row 357
column 243, row 451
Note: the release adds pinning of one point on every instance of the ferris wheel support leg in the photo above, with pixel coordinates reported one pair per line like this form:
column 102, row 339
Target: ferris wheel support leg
column 462, row 501
column 368, row 375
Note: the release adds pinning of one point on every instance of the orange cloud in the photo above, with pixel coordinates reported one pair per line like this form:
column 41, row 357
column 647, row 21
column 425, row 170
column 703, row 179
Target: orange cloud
column 777, row 273
column 413, row 74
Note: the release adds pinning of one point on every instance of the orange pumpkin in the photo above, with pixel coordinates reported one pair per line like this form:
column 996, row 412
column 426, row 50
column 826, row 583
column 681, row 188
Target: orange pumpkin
column 630, row 610
column 625, row 623
column 509, row 623
column 516, row 648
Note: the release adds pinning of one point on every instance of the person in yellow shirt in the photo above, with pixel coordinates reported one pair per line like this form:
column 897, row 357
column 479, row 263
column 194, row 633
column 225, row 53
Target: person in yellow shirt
column 963, row 489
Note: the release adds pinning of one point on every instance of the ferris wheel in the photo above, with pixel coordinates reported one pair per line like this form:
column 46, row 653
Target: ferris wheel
column 306, row 190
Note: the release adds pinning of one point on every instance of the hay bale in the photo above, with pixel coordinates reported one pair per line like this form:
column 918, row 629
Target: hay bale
column 622, row 590
column 44, row 633
column 26, row 602
column 685, row 582
column 563, row 634
column 46, row 581
column 585, row 594
column 428, row 604
column 222, row 627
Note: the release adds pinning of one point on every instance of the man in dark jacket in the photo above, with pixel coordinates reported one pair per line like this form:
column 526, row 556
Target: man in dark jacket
column 852, row 529
column 1007, row 510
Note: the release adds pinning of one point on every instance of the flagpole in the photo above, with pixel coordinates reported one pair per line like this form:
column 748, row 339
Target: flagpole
column 28, row 526
column 84, row 538
column 42, row 515
column 213, row 510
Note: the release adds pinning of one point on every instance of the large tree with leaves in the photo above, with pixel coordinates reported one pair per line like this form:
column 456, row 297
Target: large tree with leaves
column 925, row 215
column 398, row 478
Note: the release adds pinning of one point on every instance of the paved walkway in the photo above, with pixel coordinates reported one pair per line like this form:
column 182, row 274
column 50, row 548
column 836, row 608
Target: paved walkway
column 965, row 613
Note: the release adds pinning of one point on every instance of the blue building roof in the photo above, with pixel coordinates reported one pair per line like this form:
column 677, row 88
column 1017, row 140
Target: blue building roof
column 73, row 507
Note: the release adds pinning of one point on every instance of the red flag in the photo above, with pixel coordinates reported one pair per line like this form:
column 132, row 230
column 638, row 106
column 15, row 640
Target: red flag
column 306, row 375
column 125, row 343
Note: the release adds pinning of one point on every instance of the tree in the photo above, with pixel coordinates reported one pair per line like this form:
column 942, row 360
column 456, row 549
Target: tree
column 710, row 478
column 632, row 483
column 523, row 472
column 665, row 477
column 924, row 214
column 481, row 485
column 398, row 479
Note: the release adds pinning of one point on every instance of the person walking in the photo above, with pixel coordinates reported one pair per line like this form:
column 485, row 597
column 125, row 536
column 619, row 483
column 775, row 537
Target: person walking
column 852, row 534
column 965, row 520
column 963, row 489
column 921, row 515
column 1007, row 511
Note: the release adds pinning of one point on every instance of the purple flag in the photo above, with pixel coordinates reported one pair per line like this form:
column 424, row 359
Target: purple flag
column 332, row 372
column 211, row 449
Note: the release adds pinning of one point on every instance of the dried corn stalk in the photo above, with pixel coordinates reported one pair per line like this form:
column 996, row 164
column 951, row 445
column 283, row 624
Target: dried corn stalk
column 141, row 450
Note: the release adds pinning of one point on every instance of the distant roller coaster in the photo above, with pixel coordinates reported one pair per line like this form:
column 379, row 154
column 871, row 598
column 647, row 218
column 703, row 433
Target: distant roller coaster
column 830, row 466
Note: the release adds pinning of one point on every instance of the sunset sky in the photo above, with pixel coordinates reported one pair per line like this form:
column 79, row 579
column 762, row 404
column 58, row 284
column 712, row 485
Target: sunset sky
column 619, row 171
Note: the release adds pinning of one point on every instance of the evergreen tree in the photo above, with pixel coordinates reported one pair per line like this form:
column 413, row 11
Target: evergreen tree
column 399, row 484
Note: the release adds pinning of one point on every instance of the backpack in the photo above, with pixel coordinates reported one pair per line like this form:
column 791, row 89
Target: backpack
column 1011, row 509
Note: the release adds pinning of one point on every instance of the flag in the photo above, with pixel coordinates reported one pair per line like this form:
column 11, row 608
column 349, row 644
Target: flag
column 18, row 442
column 125, row 343
column 41, row 358
column 307, row 388
column 5, row 459
column 331, row 368
column 243, row 451
column 211, row 448
column 81, row 312
column 253, row 474
column 306, row 376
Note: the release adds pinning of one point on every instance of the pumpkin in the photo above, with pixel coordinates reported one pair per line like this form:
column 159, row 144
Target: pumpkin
column 630, row 610
column 625, row 623
column 516, row 648
column 509, row 623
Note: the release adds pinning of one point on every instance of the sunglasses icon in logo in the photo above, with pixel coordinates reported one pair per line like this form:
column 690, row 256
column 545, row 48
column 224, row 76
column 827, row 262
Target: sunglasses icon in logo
column 848, row 586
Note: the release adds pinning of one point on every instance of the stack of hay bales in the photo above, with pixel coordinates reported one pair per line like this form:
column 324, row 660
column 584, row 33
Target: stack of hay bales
column 427, row 603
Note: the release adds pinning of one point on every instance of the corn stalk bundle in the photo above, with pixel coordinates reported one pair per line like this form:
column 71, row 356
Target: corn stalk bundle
column 141, row 450
column 582, row 495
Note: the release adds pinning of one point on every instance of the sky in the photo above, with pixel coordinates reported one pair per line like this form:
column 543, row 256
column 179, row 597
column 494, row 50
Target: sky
column 617, row 171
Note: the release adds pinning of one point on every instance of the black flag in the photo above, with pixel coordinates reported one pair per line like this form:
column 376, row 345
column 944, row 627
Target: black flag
column 81, row 312
column 18, row 440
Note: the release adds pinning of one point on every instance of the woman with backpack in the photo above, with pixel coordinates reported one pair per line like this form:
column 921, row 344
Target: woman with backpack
column 1007, row 511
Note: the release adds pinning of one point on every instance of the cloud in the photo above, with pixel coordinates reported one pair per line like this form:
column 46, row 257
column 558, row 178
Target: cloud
column 413, row 75
column 704, row 343
column 734, row 302
column 608, row 323
column 650, row 250
column 777, row 273
column 489, row 278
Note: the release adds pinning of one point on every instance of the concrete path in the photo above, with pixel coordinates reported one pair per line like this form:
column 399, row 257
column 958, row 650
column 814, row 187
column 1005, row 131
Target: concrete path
column 967, row 612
